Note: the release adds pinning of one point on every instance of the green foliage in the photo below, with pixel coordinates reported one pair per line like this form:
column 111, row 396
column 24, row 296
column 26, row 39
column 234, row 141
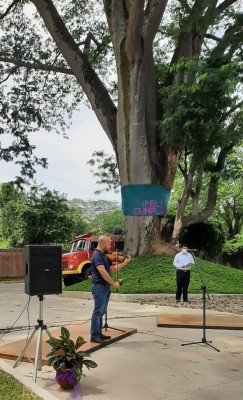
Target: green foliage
column 45, row 217
column 11, row 389
column 64, row 354
column 39, row 217
column 157, row 275
column 79, row 224
column 233, row 245
column 107, row 222
column 4, row 243
column 198, row 108
column 207, row 236
column 12, row 203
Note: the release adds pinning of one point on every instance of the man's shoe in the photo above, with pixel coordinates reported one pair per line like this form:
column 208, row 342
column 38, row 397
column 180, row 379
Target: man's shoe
column 105, row 336
column 97, row 340
column 177, row 301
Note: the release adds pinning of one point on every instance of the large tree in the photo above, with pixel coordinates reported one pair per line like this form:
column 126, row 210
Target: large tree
column 129, row 111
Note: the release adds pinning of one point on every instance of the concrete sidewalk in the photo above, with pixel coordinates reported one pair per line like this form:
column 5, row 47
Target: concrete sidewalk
column 149, row 365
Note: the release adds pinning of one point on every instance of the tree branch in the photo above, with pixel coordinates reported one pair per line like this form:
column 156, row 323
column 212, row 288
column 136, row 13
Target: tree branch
column 12, row 5
column 35, row 65
column 212, row 190
column 234, row 108
column 236, row 45
column 195, row 195
column 222, row 157
column 185, row 5
column 208, row 17
column 11, row 71
column 194, row 30
column 153, row 15
column 227, row 39
column 87, row 43
column 209, row 208
column 94, row 89
column 223, row 6
column 201, row 5
column 213, row 37
column 191, row 36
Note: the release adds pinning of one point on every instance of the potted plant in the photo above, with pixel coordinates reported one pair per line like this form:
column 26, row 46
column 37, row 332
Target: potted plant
column 67, row 361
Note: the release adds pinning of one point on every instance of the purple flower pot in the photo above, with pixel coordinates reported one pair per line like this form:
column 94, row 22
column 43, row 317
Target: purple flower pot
column 66, row 379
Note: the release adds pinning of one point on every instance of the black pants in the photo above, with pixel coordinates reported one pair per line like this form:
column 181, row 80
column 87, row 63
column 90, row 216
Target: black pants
column 182, row 281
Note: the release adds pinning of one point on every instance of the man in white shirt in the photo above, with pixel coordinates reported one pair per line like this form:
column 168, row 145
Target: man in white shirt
column 183, row 262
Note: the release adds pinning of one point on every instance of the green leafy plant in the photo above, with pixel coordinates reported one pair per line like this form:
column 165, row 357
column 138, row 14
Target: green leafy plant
column 64, row 354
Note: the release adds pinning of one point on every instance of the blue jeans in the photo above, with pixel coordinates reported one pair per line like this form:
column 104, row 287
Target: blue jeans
column 101, row 295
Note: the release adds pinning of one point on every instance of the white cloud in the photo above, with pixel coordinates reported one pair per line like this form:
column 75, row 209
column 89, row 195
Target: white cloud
column 68, row 171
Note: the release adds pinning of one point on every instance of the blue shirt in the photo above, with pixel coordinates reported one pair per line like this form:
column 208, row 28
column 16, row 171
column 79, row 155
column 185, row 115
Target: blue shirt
column 99, row 258
column 183, row 259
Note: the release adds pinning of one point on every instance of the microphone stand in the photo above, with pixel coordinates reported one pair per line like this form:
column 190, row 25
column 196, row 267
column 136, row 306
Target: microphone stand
column 106, row 323
column 204, row 289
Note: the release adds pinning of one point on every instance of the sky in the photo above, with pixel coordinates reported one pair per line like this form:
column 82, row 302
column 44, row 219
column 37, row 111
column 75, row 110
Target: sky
column 67, row 170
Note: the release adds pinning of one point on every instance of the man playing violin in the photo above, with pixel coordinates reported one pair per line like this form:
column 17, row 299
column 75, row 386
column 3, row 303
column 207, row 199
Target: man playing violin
column 101, row 270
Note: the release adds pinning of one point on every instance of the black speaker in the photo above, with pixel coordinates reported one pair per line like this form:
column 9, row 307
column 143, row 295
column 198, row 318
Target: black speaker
column 43, row 269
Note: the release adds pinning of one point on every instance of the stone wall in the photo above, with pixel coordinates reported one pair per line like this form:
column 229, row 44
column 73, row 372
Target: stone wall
column 12, row 263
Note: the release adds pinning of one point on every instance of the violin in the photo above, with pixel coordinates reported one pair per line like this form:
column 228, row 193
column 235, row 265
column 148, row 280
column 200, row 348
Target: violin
column 114, row 257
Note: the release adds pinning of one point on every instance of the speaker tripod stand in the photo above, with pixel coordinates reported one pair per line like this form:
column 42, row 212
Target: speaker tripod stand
column 39, row 330
column 204, row 340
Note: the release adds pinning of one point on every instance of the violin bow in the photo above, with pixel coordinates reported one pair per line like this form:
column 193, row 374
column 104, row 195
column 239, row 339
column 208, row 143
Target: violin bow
column 117, row 256
column 116, row 267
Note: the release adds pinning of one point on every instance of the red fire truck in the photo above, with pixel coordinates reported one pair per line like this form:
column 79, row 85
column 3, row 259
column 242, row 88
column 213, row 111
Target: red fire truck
column 76, row 265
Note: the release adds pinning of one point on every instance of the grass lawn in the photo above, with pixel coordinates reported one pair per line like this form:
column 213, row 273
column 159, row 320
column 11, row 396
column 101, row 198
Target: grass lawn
column 11, row 389
column 11, row 279
column 156, row 274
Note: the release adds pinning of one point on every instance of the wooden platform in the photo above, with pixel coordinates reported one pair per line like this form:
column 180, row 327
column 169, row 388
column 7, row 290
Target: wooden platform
column 11, row 351
column 195, row 321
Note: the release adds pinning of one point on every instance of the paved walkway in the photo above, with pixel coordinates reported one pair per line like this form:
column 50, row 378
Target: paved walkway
column 149, row 365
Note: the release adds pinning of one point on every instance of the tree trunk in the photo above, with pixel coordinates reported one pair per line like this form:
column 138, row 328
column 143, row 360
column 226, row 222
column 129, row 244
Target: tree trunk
column 137, row 144
column 177, row 228
column 178, row 224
